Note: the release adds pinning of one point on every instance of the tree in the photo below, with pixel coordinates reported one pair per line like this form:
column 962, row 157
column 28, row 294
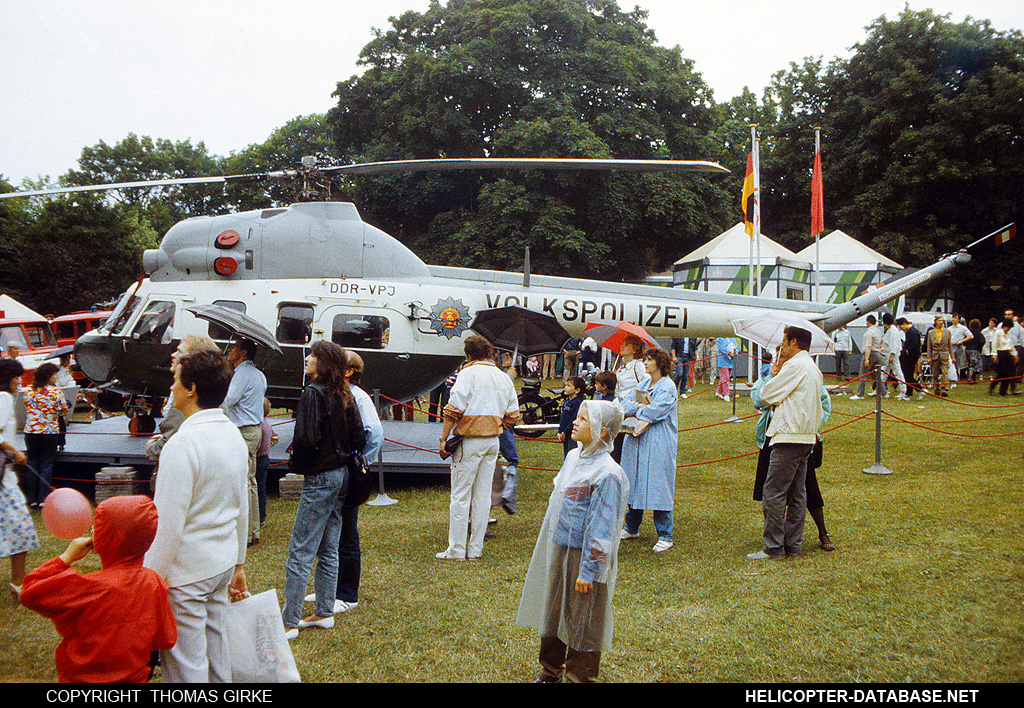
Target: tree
column 79, row 251
column 136, row 159
column 922, row 146
column 927, row 132
column 537, row 78
column 300, row 137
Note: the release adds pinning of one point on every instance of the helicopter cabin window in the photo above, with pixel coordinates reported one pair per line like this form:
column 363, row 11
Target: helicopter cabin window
column 360, row 331
column 155, row 323
column 294, row 324
column 215, row 330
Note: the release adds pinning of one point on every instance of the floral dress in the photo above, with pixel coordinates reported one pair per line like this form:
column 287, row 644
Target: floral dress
column 17, row 532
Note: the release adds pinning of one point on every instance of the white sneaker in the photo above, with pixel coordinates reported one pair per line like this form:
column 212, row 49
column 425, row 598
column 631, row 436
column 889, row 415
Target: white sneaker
column 761, row 555
column 856, row 398
column 444, row 555
column 725, row 398
column 325, row 623
column 662, row 545
column 291, row 634
column 339, row 605
column 626, row 534
column 683, row 395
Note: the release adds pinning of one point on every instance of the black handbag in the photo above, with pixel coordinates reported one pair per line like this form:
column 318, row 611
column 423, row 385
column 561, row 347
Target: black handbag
column 360, row 481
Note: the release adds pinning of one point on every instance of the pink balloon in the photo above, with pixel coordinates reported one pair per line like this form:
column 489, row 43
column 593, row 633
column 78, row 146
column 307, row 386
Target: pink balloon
column 67, row 513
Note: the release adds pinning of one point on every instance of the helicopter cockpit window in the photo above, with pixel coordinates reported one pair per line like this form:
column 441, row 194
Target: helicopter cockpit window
column 215, row 330
column 155, row 323
column 294, row 324
column 360, row 331
column 126, row 308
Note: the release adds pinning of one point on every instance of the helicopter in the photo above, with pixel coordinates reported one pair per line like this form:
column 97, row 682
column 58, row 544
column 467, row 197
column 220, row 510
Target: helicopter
column 315, row 270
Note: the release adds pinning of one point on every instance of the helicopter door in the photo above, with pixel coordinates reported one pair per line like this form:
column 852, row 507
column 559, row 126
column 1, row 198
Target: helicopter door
column 147, row 348
column 383, row 339
column 294, row 332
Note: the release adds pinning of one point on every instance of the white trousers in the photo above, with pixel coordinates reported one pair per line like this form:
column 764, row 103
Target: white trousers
column 201, row 654
column 893, row 373
column 472, row 475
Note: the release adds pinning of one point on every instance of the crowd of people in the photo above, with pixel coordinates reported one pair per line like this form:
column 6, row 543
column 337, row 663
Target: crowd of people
column 945, row 354
column 171, row 565
column 183, row 553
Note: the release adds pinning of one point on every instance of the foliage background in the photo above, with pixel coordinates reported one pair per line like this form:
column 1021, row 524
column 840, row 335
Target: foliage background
column 922, row 147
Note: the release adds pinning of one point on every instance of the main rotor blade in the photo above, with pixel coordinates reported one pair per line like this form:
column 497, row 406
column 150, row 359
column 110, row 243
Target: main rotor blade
column 222, row 179
column 518, row 163
column 397, row 166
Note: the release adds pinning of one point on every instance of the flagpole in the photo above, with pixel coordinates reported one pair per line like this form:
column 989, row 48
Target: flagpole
column 750, row 273
column 752, row 361
column 757, row 203
column 817, row 235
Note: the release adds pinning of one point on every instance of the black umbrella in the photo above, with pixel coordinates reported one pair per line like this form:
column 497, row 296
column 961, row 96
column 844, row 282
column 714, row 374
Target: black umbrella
column 517, row 328
column 239, row 323
column 62, row 351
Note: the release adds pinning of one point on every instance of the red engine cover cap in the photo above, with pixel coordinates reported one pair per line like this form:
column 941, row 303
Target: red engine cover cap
column 226, row 239
column 225, row 265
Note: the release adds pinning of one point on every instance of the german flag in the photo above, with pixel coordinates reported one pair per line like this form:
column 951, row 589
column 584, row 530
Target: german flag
column 748, row 196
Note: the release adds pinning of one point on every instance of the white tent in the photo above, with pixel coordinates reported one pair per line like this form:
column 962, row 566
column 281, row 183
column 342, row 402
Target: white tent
column 848, row 267
column 12, row 309
column 722, row 265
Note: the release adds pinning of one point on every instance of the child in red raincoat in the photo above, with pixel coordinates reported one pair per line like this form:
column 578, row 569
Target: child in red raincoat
column 111, row 620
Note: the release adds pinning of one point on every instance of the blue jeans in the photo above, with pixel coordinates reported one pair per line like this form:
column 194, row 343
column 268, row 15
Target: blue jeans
column 41, row 450
column 682, row 376
column 662, row 522
column 315, row 534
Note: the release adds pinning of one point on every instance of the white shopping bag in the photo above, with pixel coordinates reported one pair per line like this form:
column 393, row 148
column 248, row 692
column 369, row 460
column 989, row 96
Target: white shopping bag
column 259, row 650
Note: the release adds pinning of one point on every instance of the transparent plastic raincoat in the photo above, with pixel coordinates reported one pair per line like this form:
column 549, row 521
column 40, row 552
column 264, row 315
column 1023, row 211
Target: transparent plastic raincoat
column 579, row 540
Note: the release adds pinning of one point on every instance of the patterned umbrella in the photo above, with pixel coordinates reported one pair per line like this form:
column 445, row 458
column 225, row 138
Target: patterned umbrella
column 766, row 329
column 610, row 334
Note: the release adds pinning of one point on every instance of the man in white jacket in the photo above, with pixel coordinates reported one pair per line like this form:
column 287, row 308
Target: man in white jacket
column 202, row 501
column 795, row 391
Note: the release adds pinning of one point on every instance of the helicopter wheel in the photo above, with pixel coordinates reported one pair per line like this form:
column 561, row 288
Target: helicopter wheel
column 531, row 412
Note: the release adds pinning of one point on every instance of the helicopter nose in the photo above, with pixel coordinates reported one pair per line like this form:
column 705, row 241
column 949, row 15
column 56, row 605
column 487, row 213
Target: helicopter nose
column 95, row 357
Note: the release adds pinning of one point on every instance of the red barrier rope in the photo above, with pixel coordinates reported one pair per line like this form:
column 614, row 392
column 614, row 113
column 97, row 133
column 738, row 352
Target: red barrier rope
column 946, row 432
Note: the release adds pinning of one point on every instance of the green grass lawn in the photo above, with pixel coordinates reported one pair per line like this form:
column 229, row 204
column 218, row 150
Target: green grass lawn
column 925, row 584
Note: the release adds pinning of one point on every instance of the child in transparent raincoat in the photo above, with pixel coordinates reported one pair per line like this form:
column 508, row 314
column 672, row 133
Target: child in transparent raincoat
column 569, row 586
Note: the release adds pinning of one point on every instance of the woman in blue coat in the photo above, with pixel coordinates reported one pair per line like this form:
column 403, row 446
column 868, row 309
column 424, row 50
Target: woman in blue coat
column 649, row 459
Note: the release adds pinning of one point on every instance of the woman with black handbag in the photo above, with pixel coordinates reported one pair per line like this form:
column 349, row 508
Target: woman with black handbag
column 327, row 431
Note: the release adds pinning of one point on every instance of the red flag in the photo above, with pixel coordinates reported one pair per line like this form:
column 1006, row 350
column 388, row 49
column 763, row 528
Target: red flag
column 747, row 201
column 817, row 199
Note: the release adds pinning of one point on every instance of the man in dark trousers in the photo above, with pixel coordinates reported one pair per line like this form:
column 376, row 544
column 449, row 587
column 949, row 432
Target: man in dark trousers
column 910, row 355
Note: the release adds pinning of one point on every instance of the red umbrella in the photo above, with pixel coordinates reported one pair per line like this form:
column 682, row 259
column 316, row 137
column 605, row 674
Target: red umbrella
column 609, row 334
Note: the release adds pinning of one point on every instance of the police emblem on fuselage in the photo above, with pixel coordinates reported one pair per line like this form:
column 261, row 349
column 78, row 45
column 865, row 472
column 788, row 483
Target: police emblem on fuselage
column 449, row 317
